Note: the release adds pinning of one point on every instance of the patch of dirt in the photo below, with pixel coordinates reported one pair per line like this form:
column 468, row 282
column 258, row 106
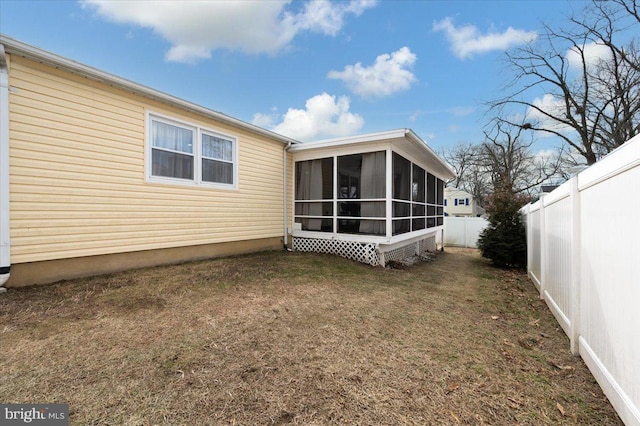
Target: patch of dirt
column 407, row 262
column 292, row 338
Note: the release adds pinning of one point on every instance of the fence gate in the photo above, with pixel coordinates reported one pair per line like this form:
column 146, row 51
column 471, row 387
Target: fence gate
column 463, row 231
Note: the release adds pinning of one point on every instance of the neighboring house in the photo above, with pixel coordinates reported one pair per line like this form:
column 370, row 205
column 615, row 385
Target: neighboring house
column 100, row 174
column 460, row 203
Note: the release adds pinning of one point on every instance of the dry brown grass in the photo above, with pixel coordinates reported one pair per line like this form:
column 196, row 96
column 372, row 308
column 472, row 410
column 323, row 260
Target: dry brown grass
column 279, row 338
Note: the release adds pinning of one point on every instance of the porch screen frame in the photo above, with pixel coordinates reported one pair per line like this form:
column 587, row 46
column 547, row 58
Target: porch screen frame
column 368, row 208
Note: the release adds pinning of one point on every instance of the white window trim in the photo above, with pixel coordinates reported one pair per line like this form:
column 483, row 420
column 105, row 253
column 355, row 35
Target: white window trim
column 198, row 131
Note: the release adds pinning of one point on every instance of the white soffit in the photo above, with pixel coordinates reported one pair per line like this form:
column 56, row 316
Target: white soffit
column 399, row 137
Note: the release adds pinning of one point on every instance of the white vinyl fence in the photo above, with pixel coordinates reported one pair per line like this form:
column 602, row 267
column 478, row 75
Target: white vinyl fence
column 463, row 231
column 584, row 256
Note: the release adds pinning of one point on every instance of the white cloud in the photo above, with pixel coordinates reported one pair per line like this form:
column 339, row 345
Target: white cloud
column 467, row 40
column 196, row 28
column 324, row 116
column 545, row 155
column 388, row 75
column 264, row 120
column 327, row 17
column 594, row 53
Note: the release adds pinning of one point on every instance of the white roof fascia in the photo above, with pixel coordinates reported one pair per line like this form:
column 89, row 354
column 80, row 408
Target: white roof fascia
column 28, row 51
column 389, row 135
column 446, row 169
column 349, row 140
column 457, row 193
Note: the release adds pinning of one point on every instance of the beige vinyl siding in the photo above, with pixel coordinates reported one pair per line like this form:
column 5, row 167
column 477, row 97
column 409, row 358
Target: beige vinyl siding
column 78, row 187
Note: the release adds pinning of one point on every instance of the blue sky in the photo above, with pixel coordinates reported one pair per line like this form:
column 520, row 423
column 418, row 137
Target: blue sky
column 311, row 70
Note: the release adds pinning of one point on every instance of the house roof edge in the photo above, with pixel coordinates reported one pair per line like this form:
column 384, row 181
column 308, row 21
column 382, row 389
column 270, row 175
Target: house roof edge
column 16, row 47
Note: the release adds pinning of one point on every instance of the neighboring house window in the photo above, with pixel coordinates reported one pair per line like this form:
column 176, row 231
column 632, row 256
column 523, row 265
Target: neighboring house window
column 466, row 201
column 445, row 202
column 455, row 202
column 187, row 153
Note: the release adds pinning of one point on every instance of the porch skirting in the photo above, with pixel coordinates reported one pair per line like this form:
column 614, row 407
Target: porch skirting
column 413, row 248
column 370, row 253
column 361, row 252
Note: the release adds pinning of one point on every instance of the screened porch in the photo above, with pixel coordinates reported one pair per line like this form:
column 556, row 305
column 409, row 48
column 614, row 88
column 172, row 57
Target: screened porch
column 384, row 189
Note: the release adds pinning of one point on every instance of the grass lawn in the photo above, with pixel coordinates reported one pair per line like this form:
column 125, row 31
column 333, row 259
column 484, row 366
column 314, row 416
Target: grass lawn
column 294, row 338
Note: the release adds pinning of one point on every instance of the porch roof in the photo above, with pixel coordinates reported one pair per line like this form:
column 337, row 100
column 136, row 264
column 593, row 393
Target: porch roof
column 406, row 138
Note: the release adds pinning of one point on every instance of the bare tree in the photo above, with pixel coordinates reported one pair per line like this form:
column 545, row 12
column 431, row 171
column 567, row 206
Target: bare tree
column 478, row 184
column 470, row 175
column 604, row 20
column 632, row 7
column 507, row 158
column 617, row 77
column 591, row 82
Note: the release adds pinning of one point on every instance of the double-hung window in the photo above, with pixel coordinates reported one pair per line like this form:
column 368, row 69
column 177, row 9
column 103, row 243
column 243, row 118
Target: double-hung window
column 185, row 153
column 172, row 153
column 217, row 159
